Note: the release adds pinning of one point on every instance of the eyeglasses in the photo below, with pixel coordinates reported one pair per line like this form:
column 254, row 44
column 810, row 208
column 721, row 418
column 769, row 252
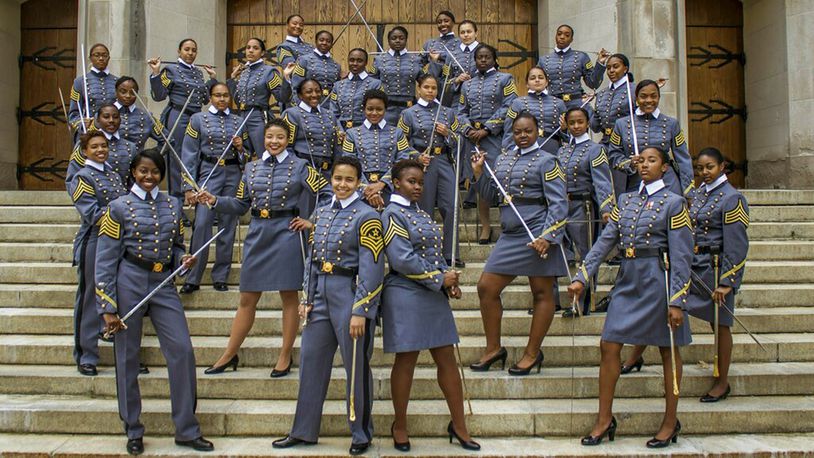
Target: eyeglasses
column 100, row 55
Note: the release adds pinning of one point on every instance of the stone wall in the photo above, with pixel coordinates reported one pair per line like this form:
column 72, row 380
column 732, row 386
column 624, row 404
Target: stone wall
column 9, row 91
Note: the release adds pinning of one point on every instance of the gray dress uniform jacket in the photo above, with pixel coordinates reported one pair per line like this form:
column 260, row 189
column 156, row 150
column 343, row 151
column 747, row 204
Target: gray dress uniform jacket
column 122, row 151
column 138, row 126
column 546, row 109
column 101, row 91
column 644, row 226
column 483, row 104
column 566, row 70
column 317, row 66
column 290, row 49
column 611, row 104
column 398, row 74
column 141, row 241
column 347, row 98
column 252, row 90
column 721, row 216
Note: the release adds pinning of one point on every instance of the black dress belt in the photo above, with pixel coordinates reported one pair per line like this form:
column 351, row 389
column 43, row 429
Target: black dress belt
column 222, row 162
column 188, row 110
column 319, row 162
column 152, row 266
column 707, row 249
column 529, row 200
column 577, row 196
column 269, row 214
column 569, row 96
column 643, row 252
column 401, row 103
column 329, row 268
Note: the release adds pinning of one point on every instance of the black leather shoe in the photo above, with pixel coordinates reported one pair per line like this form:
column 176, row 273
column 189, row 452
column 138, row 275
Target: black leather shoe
column 501, row 356
column 610, row 431
column 710, row 398
column 468, row 205
column 487, row 240
column 358, row 449
column 289, row 441
column 400, row 446
column 189, row 288
column 570, row 312
column 658, row 443
column 135, row 446
column 277, row 374
column 466, row 445
column 637, row 365
column 220, row 286
column 142, row 369
column 87, row 369
column 219, row 369
column 200, row 444
column 538, row 361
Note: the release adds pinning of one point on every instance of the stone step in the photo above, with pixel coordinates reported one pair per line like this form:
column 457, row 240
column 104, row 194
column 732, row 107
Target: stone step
column 559, row 350
column 62, row 445
column 268, row 323
column 756, row 379
column 757, row 272
column 759, row 250
column 543, row 417
column 64, row 233
column 515, row 297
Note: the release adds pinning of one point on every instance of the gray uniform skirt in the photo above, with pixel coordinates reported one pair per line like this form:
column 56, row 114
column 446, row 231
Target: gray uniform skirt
column 272, row 257
column 699, row 302
column 415, row 318
column 511, row 256
column 637, row 313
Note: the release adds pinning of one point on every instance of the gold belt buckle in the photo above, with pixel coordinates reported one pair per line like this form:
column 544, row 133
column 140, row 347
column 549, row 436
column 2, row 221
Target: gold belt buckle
column 222, row 162
column 374, row 177
column 608, row 130
column 324, row 92
column 477, row 125
column 327, row 267
column 242, row 106
column 324, row 165
column 349, row 124
column 630, row 252
column 507, row 200
column 158, row 267
column 695, row 249
column 409, row 103
column 437, row 150
column 566, row 97
column 541, row 132
column 264, row 213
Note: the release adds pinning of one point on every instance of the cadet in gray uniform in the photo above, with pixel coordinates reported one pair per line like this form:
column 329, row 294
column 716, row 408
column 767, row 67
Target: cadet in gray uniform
column 290, row 49
column 137, row 125
column 484, row 102
column 91, row 189
column 317, row 65
column 343, row 283
column 378, row 145
column 128, row 267
column 398, row 71
column 436, row 146
column 436, row 50
column 415, row 304
column 176, row 82
column 611, row 104
column 273, row 251
column 590, row 187
column 252, row 83
column 101, row 90
column 646, row 225
column 348, row 94
column 208, row 135
column 653, row 128
column 546, row 108
column 535, row 183
column 567, row 68
column 121, row 151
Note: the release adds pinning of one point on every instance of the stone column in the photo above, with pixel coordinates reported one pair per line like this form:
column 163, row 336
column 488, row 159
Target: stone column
column 9, row 91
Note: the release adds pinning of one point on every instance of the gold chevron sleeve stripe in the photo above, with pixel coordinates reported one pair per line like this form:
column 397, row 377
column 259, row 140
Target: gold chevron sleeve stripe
column 589, row 65
column 298, row 70
column 165, row 80
column 292, row 129
column 370, row 237
column 680, row 138
column 109, row 227
column 445, row 70
column 282, row 53
column 555, row 226
column 402, row 144
column 403, row 126
column 367, row 298
column 680, row 220
column 734, row 270
column 555, row 173
column 601, row 159
column 82, row 188
column 74, row 95
column 462, row 100
column 511, row 114
column 455, row 125
column 315, row 180
column 615, row 138
column 614, row 215
column 509, row 89
column 423, row 276
column 393, row 230
column 737, row 215
column 241, row 190
column 78, row 157
column 191, row 131
column 681, row 292
column 106, row 298
column 347, row 145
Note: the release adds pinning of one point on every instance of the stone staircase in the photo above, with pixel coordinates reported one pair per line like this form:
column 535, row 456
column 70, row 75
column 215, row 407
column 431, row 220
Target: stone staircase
column 48, row 409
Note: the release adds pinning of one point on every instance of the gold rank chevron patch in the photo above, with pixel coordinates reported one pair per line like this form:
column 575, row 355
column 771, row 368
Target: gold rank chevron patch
column 510, row 89
column 403, row 144
column 282, row 53
column 334, row 97
column 455, row 125
column 315, row 180
column 679, row 140
column 555, row 173
column 181, row 229
column 158, row 127
column 78, row 157
column 614, row 215
column 165, row 80
column 82, row 187
column 191, row 131
column 680, row 220
column 462, row 100
column 511, row 114
column 737, row 215
column 275, row 82
column 347, row 145
column 589, row 65
column 74, row 95
column 371, row 68
column 601, row 159
column 241, row 190
column 370, row 237
column 445, row 70
column 292, row 129
column 109, row 227
column 298, row 70
column 393, row 230
column 615, row 138
column 403, row 126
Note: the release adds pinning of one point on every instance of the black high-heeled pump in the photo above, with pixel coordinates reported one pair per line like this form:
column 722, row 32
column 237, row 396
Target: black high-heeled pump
column 637, row 365
column 211, row 370
column 501, row 356
column 282, row 373
column 610, row 431
column 658, row 443
column 487, row 240
column 466, row 445
column 400, row 446
column 538, row 361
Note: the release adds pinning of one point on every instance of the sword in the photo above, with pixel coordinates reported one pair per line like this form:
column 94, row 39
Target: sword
column 589, row 215
column 177, row 120
column 715, row 372
column 85, row 83
column 352, row 414
column 220, row 158
column 361, row 16
column 175, row 62
column 345, row 27
column 703, row 285
column 65, row 112
column 669, row 327
column 437, row 114
column 632, row 120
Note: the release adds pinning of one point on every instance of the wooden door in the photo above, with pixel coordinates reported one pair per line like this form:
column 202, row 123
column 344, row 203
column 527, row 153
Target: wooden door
column 715, row 59
column 510, row 25
column 47, row 62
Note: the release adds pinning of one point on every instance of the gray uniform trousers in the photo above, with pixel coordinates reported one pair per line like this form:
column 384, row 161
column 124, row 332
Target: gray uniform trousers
column 87, row 322
column 439, row 191
column 578, row 235
column 174, row 182
column 256, row 127
column 167, row 316
column 329, row 326
column 223, row 183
